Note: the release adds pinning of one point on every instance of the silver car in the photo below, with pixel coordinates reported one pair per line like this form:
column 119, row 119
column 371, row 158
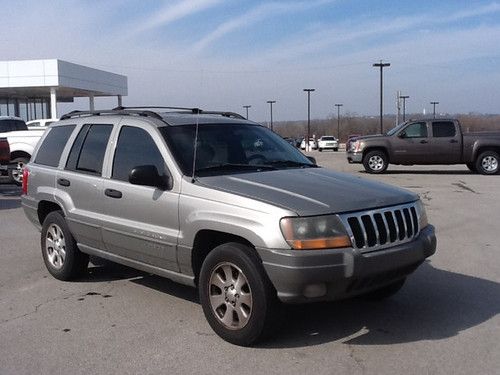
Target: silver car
column 211, row 200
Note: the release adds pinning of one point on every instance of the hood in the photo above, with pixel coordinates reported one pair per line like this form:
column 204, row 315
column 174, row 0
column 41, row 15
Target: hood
column 363, row 137
column 311, row 191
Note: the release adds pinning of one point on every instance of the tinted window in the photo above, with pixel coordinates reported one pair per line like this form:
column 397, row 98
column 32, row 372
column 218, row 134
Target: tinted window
column 34, row 124
column 416, row 130
column 53, row 145
column 87, row 152
column 12, row 125
column 443, row 129
column 135, row 147
column 327, row 138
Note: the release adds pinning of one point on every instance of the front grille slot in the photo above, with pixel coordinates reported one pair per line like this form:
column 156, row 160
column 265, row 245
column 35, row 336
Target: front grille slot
column 375, row 229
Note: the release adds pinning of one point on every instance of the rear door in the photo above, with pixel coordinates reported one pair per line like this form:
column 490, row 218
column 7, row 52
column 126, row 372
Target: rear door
column 445, row 142
column 80, row 183
column 141, row 222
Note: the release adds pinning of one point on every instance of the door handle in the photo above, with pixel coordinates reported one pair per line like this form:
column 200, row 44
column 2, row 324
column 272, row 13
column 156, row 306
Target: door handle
column 63, row 182
column 453, row 141
column 423, row 141
column 113, row 193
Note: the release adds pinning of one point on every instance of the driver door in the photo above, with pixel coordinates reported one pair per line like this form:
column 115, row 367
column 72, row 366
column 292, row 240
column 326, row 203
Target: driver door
column 410, row 146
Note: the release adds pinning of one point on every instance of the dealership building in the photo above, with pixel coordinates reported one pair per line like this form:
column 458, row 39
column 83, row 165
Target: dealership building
column 31, row 89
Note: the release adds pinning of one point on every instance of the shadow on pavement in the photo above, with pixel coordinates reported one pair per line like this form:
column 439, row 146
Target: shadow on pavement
column 10, row 196
column 434, row 304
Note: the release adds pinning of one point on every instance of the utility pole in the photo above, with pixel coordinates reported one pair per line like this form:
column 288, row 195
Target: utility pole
column 404, row 97
column 381, row 65
column 398, row 106
column 338, row 120
column 434, row 109
column 246, row 107
column 308, row 147
column 271, row 102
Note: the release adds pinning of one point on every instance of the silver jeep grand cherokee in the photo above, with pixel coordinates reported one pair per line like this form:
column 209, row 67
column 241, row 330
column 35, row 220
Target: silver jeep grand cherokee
column 209, row 199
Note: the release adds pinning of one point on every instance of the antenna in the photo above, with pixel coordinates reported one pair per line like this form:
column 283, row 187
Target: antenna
column 195, row 146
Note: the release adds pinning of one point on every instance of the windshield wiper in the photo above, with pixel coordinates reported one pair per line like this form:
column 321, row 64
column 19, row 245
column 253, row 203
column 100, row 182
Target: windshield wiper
column 291, row 163
column 234, row 167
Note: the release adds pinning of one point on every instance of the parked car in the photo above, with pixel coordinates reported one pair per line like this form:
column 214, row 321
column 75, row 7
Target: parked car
column 290, row 141
column 221, row 203
column 328, row 142
column 22, row 143
column 312, row 144
column 433, row 141
column 41, row 123
column 4, row 152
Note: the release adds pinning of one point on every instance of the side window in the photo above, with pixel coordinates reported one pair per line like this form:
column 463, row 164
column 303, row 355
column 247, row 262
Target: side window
column 416, row 130
column 87, row 152
column 52, row 147
column 443, row 129
column 35, row 124
column 134, row 148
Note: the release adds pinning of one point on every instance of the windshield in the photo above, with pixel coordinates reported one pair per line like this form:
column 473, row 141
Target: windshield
column 327, row 138
column 231, row 148
column 396, row 129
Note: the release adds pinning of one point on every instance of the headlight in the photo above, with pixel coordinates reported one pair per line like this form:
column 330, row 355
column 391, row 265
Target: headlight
column 356, row 146
column 318, row 232
column 422, row 216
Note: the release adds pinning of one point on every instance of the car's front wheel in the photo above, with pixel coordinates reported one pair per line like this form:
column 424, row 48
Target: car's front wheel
column 375, row 162
column 237, row 297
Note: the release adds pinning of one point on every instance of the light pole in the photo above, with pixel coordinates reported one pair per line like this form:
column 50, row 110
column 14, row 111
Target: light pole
column 271, row 102
column 381, row 65
column 434, row 109
column 246, row 107
column 404, row 97
column 308, row 147
column 338, row 120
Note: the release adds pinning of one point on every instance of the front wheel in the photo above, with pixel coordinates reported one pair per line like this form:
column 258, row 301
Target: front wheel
column 237, row 297
column 487, row 163
column 375, row 162
column 16, row 174
column 472, row 167
column 320, row 149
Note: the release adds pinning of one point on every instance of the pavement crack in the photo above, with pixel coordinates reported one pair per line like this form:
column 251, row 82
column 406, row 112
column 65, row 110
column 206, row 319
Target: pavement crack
column 463, row 186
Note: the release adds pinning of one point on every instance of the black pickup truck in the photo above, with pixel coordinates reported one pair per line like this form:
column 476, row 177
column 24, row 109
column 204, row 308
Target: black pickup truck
column 433, row 141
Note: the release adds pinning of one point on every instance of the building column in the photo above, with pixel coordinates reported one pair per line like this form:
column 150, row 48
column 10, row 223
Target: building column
column 119, row 100
column 53, row 103
column 91, row 102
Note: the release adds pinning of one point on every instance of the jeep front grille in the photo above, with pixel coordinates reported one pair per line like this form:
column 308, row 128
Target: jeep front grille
column 383, row 227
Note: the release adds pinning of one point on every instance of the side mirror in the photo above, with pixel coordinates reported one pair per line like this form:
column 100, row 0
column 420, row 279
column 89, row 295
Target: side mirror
column 312, row 159
column 402, row 135
column 147, row 175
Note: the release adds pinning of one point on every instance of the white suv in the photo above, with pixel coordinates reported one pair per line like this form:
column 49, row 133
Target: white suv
column 328, row 142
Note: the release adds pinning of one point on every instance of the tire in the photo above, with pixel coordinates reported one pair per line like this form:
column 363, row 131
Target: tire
column 385, row 292
column 226, row 301
column 375, row 162
column 335, row 149
column 487, row 163
column 320, row 149
column 60, row 253
column 16, row 174
column 472, row 167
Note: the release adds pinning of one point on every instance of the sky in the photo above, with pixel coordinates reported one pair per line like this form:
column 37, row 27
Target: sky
column 221, row 55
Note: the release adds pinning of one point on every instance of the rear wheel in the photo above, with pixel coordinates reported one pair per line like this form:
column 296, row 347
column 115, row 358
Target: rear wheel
column 237, row 297
column 16, row 174
column 320, row 149
column 60, row 253
column 487, row 162
column 375, row 162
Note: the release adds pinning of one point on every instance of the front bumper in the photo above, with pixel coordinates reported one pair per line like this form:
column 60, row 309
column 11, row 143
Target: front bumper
column 354, row 157
column 318, row 275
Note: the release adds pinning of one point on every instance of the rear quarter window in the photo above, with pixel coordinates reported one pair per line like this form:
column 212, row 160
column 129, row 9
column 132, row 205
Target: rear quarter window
column 52, row 147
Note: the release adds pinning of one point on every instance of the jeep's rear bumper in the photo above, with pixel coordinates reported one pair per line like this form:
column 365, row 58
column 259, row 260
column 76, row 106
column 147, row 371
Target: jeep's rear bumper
column 318, row 275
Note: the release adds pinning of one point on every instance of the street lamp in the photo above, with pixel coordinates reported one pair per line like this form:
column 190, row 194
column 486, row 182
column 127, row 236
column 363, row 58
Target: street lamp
column 338, row 120
column 381, row 65
column 271, row 104
column 434, row 109
column 308, row 147
column 246, row 107
column 404, row 97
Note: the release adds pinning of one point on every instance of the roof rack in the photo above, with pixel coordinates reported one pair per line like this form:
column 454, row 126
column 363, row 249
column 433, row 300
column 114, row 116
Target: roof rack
column 73, row 114
column 146, row 112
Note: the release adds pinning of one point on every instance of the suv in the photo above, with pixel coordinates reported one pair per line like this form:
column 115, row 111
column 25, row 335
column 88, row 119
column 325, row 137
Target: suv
column 212, row 200
column 328, row 142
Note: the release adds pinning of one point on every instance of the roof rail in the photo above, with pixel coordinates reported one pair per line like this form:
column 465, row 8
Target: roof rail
column 114, row 111
column 192, row 110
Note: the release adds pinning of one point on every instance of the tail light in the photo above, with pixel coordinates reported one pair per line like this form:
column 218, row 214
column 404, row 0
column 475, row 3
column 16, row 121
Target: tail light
column 26, row 174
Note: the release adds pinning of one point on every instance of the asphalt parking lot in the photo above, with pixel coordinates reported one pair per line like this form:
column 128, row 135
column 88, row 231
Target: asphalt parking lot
column 121, row 321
